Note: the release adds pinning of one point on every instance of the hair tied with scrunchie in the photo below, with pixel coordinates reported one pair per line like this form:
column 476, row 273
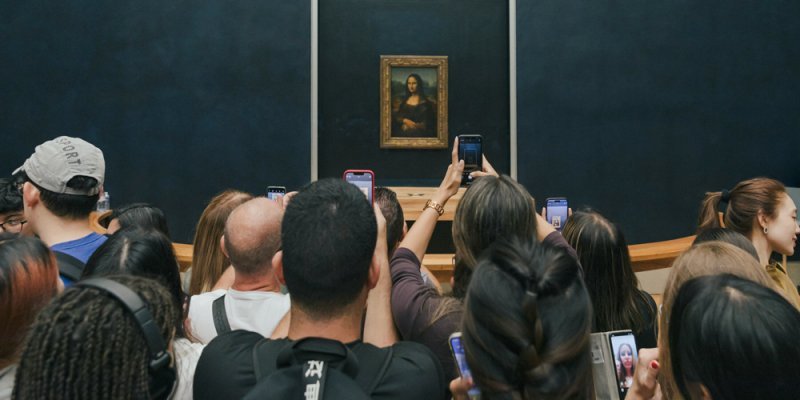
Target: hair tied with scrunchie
column 724, row 197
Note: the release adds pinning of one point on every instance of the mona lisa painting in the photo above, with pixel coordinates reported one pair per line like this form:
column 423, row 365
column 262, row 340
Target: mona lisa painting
column 414, row 102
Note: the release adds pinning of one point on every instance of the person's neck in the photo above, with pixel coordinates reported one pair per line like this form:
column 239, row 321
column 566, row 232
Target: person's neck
column 54, row 230
column 763, row 248
column 345, row 327
column 255, row 283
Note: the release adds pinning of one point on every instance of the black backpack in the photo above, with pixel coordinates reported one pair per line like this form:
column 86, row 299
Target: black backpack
column 315, row 368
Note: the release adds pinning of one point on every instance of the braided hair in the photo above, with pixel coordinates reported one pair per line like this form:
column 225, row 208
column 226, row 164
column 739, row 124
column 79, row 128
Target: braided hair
column 527, row 324
column 86, row 345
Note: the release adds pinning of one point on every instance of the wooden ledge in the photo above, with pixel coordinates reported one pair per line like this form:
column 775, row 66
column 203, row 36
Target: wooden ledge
column 413, row 199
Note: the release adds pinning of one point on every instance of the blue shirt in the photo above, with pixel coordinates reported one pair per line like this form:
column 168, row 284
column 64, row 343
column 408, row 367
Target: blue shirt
column 81, row 249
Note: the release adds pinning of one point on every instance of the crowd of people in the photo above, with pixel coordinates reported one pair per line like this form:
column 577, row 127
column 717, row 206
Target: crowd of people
column 320, row 294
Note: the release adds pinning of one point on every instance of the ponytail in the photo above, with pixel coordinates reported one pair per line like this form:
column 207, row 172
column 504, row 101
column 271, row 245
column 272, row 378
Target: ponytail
column 710, row 214
column 738, row 209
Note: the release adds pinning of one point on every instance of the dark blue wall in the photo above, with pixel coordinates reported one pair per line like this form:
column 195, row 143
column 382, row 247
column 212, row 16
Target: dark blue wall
column 635, row 108
column 638, row 108
column 355, row 33
column 185, row 98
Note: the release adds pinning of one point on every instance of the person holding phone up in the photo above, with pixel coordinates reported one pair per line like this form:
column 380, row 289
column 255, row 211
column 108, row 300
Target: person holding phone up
column 495, row 207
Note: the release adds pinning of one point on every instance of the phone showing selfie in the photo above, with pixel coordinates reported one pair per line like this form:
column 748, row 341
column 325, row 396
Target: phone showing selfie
column 625, row 355
column 470, row 149
column 461, row 361
column 557, row 211
column 364, row 179
column 273, row 192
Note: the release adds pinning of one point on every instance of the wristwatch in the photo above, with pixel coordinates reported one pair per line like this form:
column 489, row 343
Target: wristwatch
column 434, row 205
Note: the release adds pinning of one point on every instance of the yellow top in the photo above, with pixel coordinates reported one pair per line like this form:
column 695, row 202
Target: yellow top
column 783, row 283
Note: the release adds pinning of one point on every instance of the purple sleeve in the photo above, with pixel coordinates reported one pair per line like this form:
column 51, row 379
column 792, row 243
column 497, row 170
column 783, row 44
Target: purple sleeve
column 556, row 240
column 411, row 297
column 413, row 306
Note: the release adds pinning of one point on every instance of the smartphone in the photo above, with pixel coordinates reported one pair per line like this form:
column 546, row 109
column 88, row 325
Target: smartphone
column 273, row 192
column 364, row 179
column 461, row 361
column 557, row 211
column 625, row 355
column 470, row 149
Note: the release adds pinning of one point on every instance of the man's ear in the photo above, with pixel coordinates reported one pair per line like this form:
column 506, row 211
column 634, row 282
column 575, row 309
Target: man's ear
column 30, row 195
column 374, row 271
column 222, row 246
column 277, row 266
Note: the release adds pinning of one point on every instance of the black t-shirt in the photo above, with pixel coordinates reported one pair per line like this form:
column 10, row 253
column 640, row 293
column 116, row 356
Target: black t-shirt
column 226, row 370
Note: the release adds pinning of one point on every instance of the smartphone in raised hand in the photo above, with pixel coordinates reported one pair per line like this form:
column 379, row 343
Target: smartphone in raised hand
column 470, row 149
column 273, row 192
column 557, row 211
column 364, row 179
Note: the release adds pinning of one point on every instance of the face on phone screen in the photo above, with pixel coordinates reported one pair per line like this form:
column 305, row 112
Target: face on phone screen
column 362, row 180
column 623, row 348
column 461, row 362
column 557, row 212
column 273, row 192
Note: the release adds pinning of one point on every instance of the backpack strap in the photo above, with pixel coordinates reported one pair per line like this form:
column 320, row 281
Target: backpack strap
column 387, row 359
column 69, row 266
column 372, row 365
column 220, row 315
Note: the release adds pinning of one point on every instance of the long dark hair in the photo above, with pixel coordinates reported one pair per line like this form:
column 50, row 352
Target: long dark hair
column 608, row 274
column 736, row 338
column 140, row 215
column 86, row 345
column 140, row 252
column 526, row 324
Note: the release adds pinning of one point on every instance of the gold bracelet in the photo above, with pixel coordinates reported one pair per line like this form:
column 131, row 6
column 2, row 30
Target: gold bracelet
column 434, row 205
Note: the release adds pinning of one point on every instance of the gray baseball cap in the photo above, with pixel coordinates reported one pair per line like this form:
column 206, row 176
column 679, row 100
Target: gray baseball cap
column 57, row 161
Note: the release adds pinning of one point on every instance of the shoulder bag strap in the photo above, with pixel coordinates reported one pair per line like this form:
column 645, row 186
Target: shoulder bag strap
column 69, row 266
column 387, row 359
column 220, row 315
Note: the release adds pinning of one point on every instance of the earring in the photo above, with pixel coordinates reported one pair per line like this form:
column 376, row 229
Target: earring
column 766, row 230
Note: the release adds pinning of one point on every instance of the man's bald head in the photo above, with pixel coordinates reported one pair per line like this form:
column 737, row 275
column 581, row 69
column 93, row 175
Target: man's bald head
column 253, row 235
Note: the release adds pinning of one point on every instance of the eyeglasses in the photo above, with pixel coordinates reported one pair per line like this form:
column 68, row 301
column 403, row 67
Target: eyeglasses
column 13, row 225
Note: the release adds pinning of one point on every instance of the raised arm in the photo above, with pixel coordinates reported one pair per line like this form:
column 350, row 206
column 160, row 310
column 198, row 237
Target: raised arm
column 379, row 325
column 420, row 233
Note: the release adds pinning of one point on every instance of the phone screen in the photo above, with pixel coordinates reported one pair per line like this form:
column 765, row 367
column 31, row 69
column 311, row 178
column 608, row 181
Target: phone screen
column 557, row 212
column 623, row 348
column 461, row 362
column 363, row 180
column 273, row 192
column 470, row 149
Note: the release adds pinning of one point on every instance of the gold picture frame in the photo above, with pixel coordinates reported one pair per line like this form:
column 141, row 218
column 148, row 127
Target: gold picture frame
column 413, row 114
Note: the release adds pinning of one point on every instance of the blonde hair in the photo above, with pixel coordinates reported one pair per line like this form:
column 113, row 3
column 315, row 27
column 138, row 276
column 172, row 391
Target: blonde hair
column 709, row 258
column 208, row 260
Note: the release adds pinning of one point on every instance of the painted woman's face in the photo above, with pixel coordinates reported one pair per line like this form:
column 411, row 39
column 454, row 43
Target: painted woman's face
column 782, row 230
column 412, row 84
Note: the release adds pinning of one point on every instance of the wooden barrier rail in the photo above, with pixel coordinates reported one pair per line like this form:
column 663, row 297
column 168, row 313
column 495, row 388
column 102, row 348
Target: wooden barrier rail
column 644, row 256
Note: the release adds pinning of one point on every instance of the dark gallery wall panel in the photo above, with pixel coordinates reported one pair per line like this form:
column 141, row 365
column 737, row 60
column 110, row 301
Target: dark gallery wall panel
column 638, row 108
column 353, row 34
column 185, row 98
